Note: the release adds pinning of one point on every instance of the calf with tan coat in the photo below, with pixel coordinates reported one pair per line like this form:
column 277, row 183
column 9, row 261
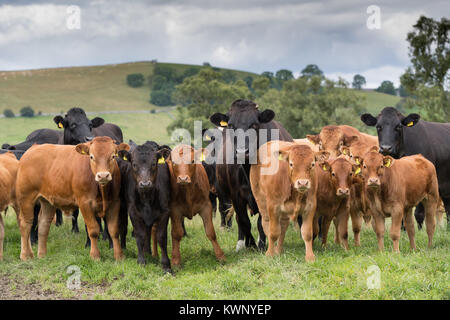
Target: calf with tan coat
column 285, row 187
column 66, row 177
column 394, row 187
column 8, row 172
column 190, row 195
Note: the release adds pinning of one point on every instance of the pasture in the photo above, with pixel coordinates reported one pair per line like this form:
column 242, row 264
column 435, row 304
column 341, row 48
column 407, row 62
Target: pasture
column 248, row 274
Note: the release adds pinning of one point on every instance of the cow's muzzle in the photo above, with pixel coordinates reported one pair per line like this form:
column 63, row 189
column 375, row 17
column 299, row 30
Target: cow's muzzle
column 373, row 182
column 103, row 177
column 302, row 185
column 183, row 179
column 145, row 184
column 343, row 192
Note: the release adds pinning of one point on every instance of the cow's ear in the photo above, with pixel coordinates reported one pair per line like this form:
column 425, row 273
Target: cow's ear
column 124, row 155
column 97, row 122
column 356, row 168
column 322, row 156
column 411, row 120
column 200, row 155
column 324, row 165
column 345, row 151
column 266, row 116
column 162, row 155
column 315, row 139
column 123, row 146
column 60, row 122
column 388, row 161
column 219, row 119
column 369, row 119
column 358, row 160
column 349, row 140
column 282, row 155
column 82, row 148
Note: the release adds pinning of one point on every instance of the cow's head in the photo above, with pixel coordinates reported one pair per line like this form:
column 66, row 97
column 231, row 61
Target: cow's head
column 144, row 160
column 390, row 124
column 332, row 139
column 302, row 161
column 101, row 151
column 245, row 119
column 373, row 166
column 357, row 151
column 341, row 173
column 183, row 162
column 77, row 127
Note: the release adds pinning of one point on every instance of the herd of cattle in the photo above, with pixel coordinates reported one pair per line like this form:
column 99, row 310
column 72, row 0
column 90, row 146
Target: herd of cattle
column 336, row 175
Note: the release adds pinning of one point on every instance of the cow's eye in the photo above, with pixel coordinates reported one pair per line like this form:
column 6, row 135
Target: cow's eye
column 73, row 126
column 351, row 173
column 378, row 128
column 312, row 165
column 398, row 128
column 333, row 174
column 92, row 157
column 364, row 166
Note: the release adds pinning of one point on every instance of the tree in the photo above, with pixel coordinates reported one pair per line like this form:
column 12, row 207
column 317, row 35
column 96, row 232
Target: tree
column 8, row 113
column 135, row 80
column 27, row 112
column 358, row 81
column 260, row 85
column 387, row 87
column 284, row 75
column 248, row 80
column 161, row 98
column 311, row 70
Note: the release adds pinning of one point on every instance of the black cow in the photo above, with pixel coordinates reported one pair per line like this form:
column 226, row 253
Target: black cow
column 79, row 129
column 145, row 190
column 400, row 136
column 234, row 178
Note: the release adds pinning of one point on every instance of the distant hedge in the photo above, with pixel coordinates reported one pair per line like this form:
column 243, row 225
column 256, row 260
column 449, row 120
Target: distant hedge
column 8, row 113
column 135, row 80
column 27, row 112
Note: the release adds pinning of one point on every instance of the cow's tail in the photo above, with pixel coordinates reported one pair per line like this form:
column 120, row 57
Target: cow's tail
column 230, row 213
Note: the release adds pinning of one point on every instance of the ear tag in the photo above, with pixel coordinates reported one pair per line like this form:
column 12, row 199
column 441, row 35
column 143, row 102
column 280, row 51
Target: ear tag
column 207, row 138
column 83, row 152
column 324, row 167
column 358, row 170
column 410, row 124
column 161, row 160
column 223, row 123
column 388, row 163
column 344, row 151
column 125, row 158
column 357, row 161
column 202, row 157
column 60, row 125
column 280, row 157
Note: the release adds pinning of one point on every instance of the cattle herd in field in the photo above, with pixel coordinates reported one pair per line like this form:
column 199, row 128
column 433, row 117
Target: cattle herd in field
column 332, row 176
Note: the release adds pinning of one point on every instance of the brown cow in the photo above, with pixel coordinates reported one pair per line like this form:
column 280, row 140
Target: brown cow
column 394, row 187
column 336, row 178
column 332, row 138
column 306, row 142
column 190, row 195
column 8, row 172
column 285, row 187
column 64, row 176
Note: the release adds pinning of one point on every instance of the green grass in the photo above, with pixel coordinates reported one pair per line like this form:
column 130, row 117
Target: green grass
column 376, row 101
column 248, row 274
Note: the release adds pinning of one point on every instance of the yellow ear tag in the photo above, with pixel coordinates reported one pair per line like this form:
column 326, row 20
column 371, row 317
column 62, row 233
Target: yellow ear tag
column 324, row 168
column 161, row 160
column 410, row 124
column 207, row 138
column 125, row 158
column 388, row 163
column 83, row 152
column 223, row 123
column 358, row 170
column 280, row 157
column 60, row 125
column 202, row 157
column 357, row 161
column 344, row 151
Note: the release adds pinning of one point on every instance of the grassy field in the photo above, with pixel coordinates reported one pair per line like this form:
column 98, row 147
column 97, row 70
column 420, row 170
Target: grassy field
column 248, row 274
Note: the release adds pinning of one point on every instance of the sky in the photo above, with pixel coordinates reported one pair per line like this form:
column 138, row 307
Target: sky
column 342, row 37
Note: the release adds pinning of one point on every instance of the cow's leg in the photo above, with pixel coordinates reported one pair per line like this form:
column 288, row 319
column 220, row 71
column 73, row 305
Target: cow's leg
column 147, row 239
column 315, row 227
column 307, row 235
column 419, row 213
column 34, row 226
column 139, row 234
column 112, row 222
column 409, row 224
column 342, row 221
column 356, row 226
column 26, row 221
column 284, row 223
column 75, row 214
column 274, row 229
column 92, row 228
column 447, row 210
column 177, row 235
column 262, row 235
column 2, row 235
column 206, row 214
column 153, row 230
column 59, row 218
column 162, row 241
column 245, row 235
column 106, row 235
column 45, row 220
column 379, row 226
column 336, row 231
column 430, row 207
column 397, row 217
column 184, row 228
column 123, row 226
column 326, row 221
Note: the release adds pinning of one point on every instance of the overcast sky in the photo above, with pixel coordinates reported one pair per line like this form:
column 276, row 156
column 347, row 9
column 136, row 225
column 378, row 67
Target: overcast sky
column 253, row 35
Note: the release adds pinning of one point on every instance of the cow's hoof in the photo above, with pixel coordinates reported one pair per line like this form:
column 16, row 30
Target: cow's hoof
column 240, row 245
column 310, row 258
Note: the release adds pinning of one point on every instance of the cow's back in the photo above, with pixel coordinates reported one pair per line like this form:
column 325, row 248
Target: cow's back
column 110, row 130
column 8, row 171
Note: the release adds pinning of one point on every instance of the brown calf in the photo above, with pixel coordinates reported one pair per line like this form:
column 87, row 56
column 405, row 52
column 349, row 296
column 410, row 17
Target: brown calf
column 66, row 177
column 8, row 172
column 394, row 187
column 336, row 178
column 285, row 186
column 334, row 138
column 190, row 195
